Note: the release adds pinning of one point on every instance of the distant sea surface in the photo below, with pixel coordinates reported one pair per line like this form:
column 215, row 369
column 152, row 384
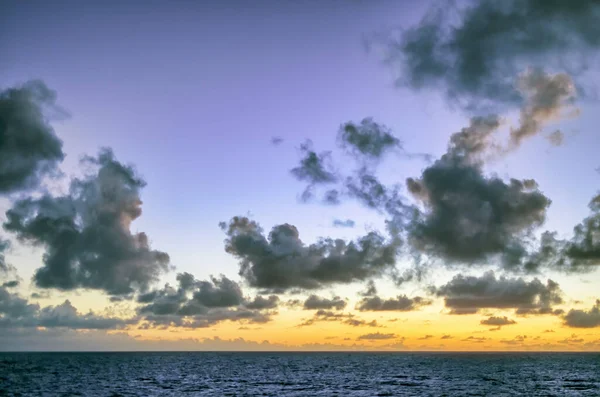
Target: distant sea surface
column 299, row 374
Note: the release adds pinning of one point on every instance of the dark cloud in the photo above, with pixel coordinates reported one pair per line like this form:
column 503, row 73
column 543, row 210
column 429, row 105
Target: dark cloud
column 370, row 289
column 315, row 302
column 4, row 245
column 87, row 233
column 401, row 303
column 200, row 304
column 469, row 294
column 497, row 321
column 16, row 312
column 425, row 337
column 468, row 216
column 262, row 303
column 221, row 292
column 368, row 140
column 281, row 261
column 474, row 53
column 11, row 284
column 376, row 336
column 354, row 322
column 314, row 169
column 446, row 337
column 29, row 148
column 343, row 318
column 349, row 223
column 580, row 253
column 583, row 318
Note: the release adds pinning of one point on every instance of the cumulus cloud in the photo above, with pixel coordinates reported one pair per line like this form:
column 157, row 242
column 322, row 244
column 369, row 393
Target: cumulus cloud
column 87, row 234
column 400, row 303
column 580, row 253
column 29, row 148
column 367, row 139
column 469, row 294
column 467, row 216
column 17, row 312
column 262, row 303
column 497, row 321
column 281, row 261
column 376, row 336
column 583, row 318
column 474, row 54
column 314, row 302
column 200, row 304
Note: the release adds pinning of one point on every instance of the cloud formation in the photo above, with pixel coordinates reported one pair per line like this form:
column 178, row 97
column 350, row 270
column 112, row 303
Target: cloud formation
column 87, row 234
column 401, row 303
column 497, row 321
column 29, row 148
column 469, row 294
column 281, row 261
column 314, row 302
column 200, row 304
column 16, row 312
column 376, row 336
column 583, row 318
column 473, row 54
column 467, row 216
column 347, row 223
column 368, row 140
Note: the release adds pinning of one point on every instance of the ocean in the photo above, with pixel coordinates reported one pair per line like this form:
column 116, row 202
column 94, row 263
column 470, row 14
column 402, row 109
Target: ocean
column 299, row 374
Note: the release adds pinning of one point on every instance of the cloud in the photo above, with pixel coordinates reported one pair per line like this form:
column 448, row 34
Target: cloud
column 580, row 253
column 29, row 148
column 315, row 169
column 314, row 302
column 281, row 261
column 361, row 323
column 368, row 140
column 200, row 304
column 376, row 336
column 468, row 217
column 16, row 312
column 276, row 140
column 344, row 318
column 425, row 337
column 474, row 53
column 474, row 339
column 87, row 233
column 262, row 303
column 349, row 223
column 4, row 245
column 470, row 294
column 497, row 321
column 370, row 289
column 446, row 337
column 11, row 284
column 583, row 318
column 401, row 303
column 556, row 138
column 547, row 98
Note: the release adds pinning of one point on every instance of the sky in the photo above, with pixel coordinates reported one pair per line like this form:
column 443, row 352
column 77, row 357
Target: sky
column 344, row 175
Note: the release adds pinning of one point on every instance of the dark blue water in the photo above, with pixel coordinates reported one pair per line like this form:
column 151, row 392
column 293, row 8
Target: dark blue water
column 299, row 374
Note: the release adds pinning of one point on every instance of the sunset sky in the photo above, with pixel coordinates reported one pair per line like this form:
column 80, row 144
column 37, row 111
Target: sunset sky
column 280, row 175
